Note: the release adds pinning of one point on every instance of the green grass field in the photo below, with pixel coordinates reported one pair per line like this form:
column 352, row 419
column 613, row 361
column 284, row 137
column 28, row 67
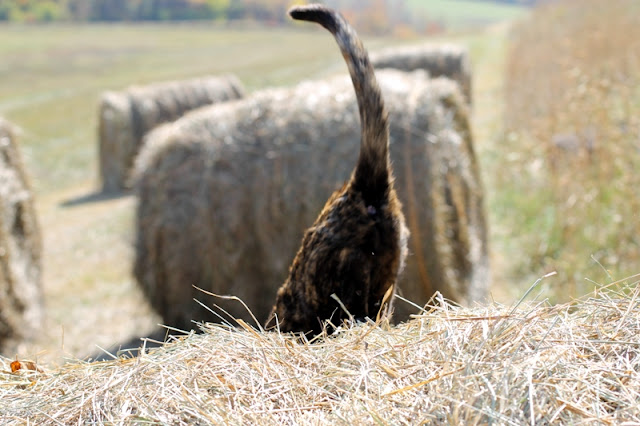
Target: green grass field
column 52, row 76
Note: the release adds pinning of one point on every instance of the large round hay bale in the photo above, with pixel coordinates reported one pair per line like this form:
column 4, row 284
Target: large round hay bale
column 124, row 118
column 21, row 307
column 226, row 192
column 439, row 60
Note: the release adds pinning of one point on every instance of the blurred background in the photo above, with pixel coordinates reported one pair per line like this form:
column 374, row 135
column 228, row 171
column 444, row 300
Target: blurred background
column 555, row 118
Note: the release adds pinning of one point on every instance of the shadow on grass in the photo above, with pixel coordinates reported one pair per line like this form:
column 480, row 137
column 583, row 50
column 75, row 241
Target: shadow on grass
column 94, row 197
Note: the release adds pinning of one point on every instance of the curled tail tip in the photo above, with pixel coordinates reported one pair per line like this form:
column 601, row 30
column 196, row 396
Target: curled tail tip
column 319, row 13
column 301, row 11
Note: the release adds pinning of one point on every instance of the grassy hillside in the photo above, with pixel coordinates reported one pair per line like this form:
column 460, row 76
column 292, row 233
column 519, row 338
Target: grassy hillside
column 566, row 182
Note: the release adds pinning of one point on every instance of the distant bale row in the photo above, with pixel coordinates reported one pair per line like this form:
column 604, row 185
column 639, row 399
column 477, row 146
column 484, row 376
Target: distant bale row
column 127, row 115
column 21, row 306
column 439, row 60
column 226, row 192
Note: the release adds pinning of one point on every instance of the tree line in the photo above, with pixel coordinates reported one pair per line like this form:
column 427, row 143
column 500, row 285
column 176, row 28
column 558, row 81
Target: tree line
column 369, row 16
column 141, row 10
column 372, row 15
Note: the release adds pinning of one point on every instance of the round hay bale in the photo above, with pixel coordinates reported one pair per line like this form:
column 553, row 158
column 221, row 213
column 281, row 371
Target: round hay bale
column 124, row 118
column 226, row 192
column 21, row 307
column 439, row 60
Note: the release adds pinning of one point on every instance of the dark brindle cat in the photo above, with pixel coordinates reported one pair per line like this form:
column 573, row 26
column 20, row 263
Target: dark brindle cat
column 356, row 247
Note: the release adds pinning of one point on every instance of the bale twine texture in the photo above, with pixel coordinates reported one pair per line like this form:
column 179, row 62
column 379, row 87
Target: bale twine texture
column 439, row 60
column 535, row 364
column 226, row 192
column 21, row 307
column 124, row 118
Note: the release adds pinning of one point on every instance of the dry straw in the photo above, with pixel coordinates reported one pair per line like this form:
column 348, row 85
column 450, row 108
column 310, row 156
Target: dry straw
column 126, row 116
column 577, row 363
column 226, row 192
column 446, row 60
column 20, row 248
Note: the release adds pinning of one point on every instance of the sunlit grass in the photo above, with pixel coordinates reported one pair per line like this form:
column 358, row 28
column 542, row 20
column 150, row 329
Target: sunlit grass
column 568, row 183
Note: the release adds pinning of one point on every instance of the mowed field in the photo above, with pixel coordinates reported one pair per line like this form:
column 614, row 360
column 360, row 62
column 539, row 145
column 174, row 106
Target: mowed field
column 51, row 78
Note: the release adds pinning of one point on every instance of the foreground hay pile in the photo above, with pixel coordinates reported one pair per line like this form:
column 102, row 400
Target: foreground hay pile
column 126, row 116
column 439, row 60
column 226, row 192
column 534, row 364
column 20, row 249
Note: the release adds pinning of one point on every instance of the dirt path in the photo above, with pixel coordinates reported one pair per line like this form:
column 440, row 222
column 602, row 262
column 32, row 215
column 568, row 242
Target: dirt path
column 488, row 95
column 91, row 298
